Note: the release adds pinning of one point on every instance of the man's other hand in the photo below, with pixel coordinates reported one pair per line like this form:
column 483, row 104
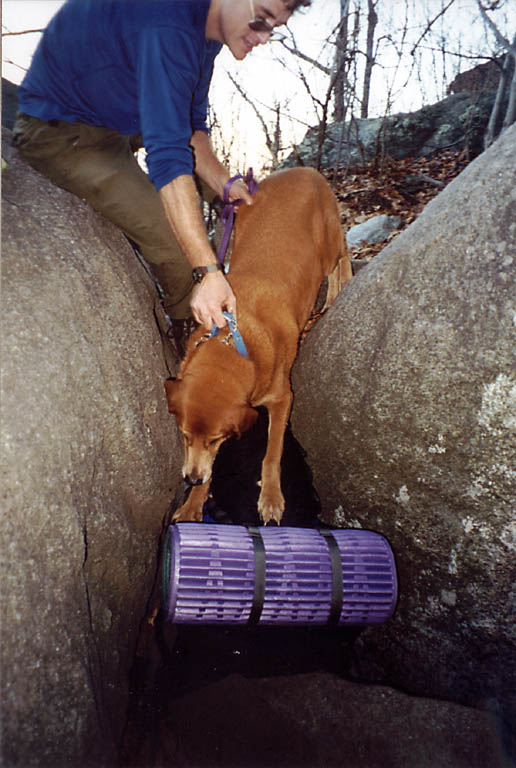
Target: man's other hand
column 239, row 191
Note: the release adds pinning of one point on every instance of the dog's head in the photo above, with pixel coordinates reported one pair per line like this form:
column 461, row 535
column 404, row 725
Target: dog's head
column 205, row 421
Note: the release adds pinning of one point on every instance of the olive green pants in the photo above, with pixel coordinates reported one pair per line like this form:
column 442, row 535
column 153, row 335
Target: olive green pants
column 98, row 165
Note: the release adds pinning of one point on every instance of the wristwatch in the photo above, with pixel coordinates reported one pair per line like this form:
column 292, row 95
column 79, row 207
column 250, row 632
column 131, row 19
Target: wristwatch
column 199, row 272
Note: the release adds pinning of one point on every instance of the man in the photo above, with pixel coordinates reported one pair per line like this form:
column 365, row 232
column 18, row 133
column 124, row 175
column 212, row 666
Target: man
column 106, row 71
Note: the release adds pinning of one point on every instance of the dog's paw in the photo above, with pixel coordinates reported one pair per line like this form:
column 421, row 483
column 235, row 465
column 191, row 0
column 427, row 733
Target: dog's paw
column 271, row 506
column 187, row 513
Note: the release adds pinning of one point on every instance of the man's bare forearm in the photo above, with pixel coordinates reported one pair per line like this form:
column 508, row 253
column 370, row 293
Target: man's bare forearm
column 213, row 294
column 181, row 203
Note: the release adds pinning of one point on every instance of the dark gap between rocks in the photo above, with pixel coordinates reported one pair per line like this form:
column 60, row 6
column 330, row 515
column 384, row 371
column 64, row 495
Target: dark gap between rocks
column 174, row 661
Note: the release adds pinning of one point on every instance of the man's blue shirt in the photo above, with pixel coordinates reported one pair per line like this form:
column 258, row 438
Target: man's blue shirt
column 130, row 65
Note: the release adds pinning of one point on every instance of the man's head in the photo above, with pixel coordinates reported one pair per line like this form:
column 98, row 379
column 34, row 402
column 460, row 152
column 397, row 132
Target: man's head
column 244, row 24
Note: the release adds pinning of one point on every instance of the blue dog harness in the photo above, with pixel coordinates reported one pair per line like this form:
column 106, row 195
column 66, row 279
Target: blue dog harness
column 234, row 332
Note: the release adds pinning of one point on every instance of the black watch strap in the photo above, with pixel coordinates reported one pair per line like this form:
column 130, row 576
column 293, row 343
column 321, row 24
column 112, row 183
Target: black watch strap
column 199, row 272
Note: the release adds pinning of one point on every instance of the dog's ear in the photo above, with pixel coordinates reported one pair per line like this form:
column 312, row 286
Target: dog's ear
column 171, row 389
column 247, row 418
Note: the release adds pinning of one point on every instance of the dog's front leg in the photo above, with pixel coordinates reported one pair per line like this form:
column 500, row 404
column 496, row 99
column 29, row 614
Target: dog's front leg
column 271, row 503
column 191, row 510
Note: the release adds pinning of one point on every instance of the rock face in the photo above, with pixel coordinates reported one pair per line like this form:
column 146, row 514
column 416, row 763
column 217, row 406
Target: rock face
column 459, row 120
column 317, row 720
column 9, row 103
column 405, row 401
column 375, row 230
column 90, row 456
column 483, row 77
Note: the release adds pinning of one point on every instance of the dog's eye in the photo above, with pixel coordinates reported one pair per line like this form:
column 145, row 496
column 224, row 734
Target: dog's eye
column 215, row 441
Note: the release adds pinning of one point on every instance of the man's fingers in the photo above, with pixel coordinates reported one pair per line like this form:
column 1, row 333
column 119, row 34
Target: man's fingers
column 239, row 190
column 231, row 308
column 210, row 298
column 219, row 319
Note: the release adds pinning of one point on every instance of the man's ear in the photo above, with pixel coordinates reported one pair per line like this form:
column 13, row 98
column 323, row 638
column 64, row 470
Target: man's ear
column 172, row 391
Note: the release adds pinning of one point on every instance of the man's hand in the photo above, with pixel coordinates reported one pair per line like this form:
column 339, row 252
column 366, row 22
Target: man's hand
column 212, row 295
column 213, row 173
column 239, row 191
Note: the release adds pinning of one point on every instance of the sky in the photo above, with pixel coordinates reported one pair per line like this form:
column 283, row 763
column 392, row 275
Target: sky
column 267, row 81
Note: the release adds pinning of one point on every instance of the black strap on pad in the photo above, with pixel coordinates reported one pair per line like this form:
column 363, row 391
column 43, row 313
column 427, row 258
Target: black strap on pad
column 337, row 588
column 259, row 575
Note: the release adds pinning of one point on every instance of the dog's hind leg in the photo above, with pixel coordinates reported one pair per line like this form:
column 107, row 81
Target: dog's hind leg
column 192, row 510
column 271, row 503
column 341, row 275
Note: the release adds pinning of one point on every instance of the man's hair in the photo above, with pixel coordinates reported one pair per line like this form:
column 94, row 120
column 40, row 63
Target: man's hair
column 293, row 5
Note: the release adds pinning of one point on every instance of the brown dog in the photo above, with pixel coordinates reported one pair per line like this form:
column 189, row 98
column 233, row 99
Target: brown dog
column 284, row 244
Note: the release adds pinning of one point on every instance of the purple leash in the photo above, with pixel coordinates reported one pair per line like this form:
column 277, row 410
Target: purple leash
column 228, row 212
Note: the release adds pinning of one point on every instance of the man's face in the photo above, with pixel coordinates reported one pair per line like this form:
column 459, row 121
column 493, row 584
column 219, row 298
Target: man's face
column 234, row 19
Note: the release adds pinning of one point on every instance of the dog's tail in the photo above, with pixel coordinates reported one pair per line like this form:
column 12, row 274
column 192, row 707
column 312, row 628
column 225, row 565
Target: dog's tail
column 340, row 271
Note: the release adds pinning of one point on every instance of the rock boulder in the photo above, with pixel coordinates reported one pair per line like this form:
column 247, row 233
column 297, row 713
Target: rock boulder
column 405, row 401
column 317, row 720
column 90, row 458
column 374, row 230
column 9, row 103
column 459, row 121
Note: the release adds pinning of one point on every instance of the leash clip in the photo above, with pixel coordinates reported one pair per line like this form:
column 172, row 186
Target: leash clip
column 235, row 333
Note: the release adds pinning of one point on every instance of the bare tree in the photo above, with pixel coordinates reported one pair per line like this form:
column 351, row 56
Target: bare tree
column 495, row 116
column 509, row 63
column 341, row 54
column 372, row 21
column 376, row 48
column 272, row 133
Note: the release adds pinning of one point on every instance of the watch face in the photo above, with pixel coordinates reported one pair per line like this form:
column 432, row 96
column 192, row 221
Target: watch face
column 198, row 274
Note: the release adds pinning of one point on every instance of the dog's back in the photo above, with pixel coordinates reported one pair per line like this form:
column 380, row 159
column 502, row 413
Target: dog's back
column 285, row 243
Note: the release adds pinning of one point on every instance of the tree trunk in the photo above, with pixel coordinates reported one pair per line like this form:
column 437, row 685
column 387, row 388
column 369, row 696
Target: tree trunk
column 340, row 55
column 372, row 20
column 510, row 115
column 494, row 117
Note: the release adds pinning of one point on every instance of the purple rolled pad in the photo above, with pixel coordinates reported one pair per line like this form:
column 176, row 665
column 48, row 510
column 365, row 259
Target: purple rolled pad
column 209, row 576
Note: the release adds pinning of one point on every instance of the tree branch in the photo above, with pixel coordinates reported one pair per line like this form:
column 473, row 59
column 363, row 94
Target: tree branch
column 301, row 55
column 430, row 25
column 23, row 32
column 492, row 26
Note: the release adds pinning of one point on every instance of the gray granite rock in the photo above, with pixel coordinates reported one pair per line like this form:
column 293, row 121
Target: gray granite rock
column 375, row 230
column 405, row 400
column 459, row 121
column 317, row 720
column 9, row 103
column 89, row 462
